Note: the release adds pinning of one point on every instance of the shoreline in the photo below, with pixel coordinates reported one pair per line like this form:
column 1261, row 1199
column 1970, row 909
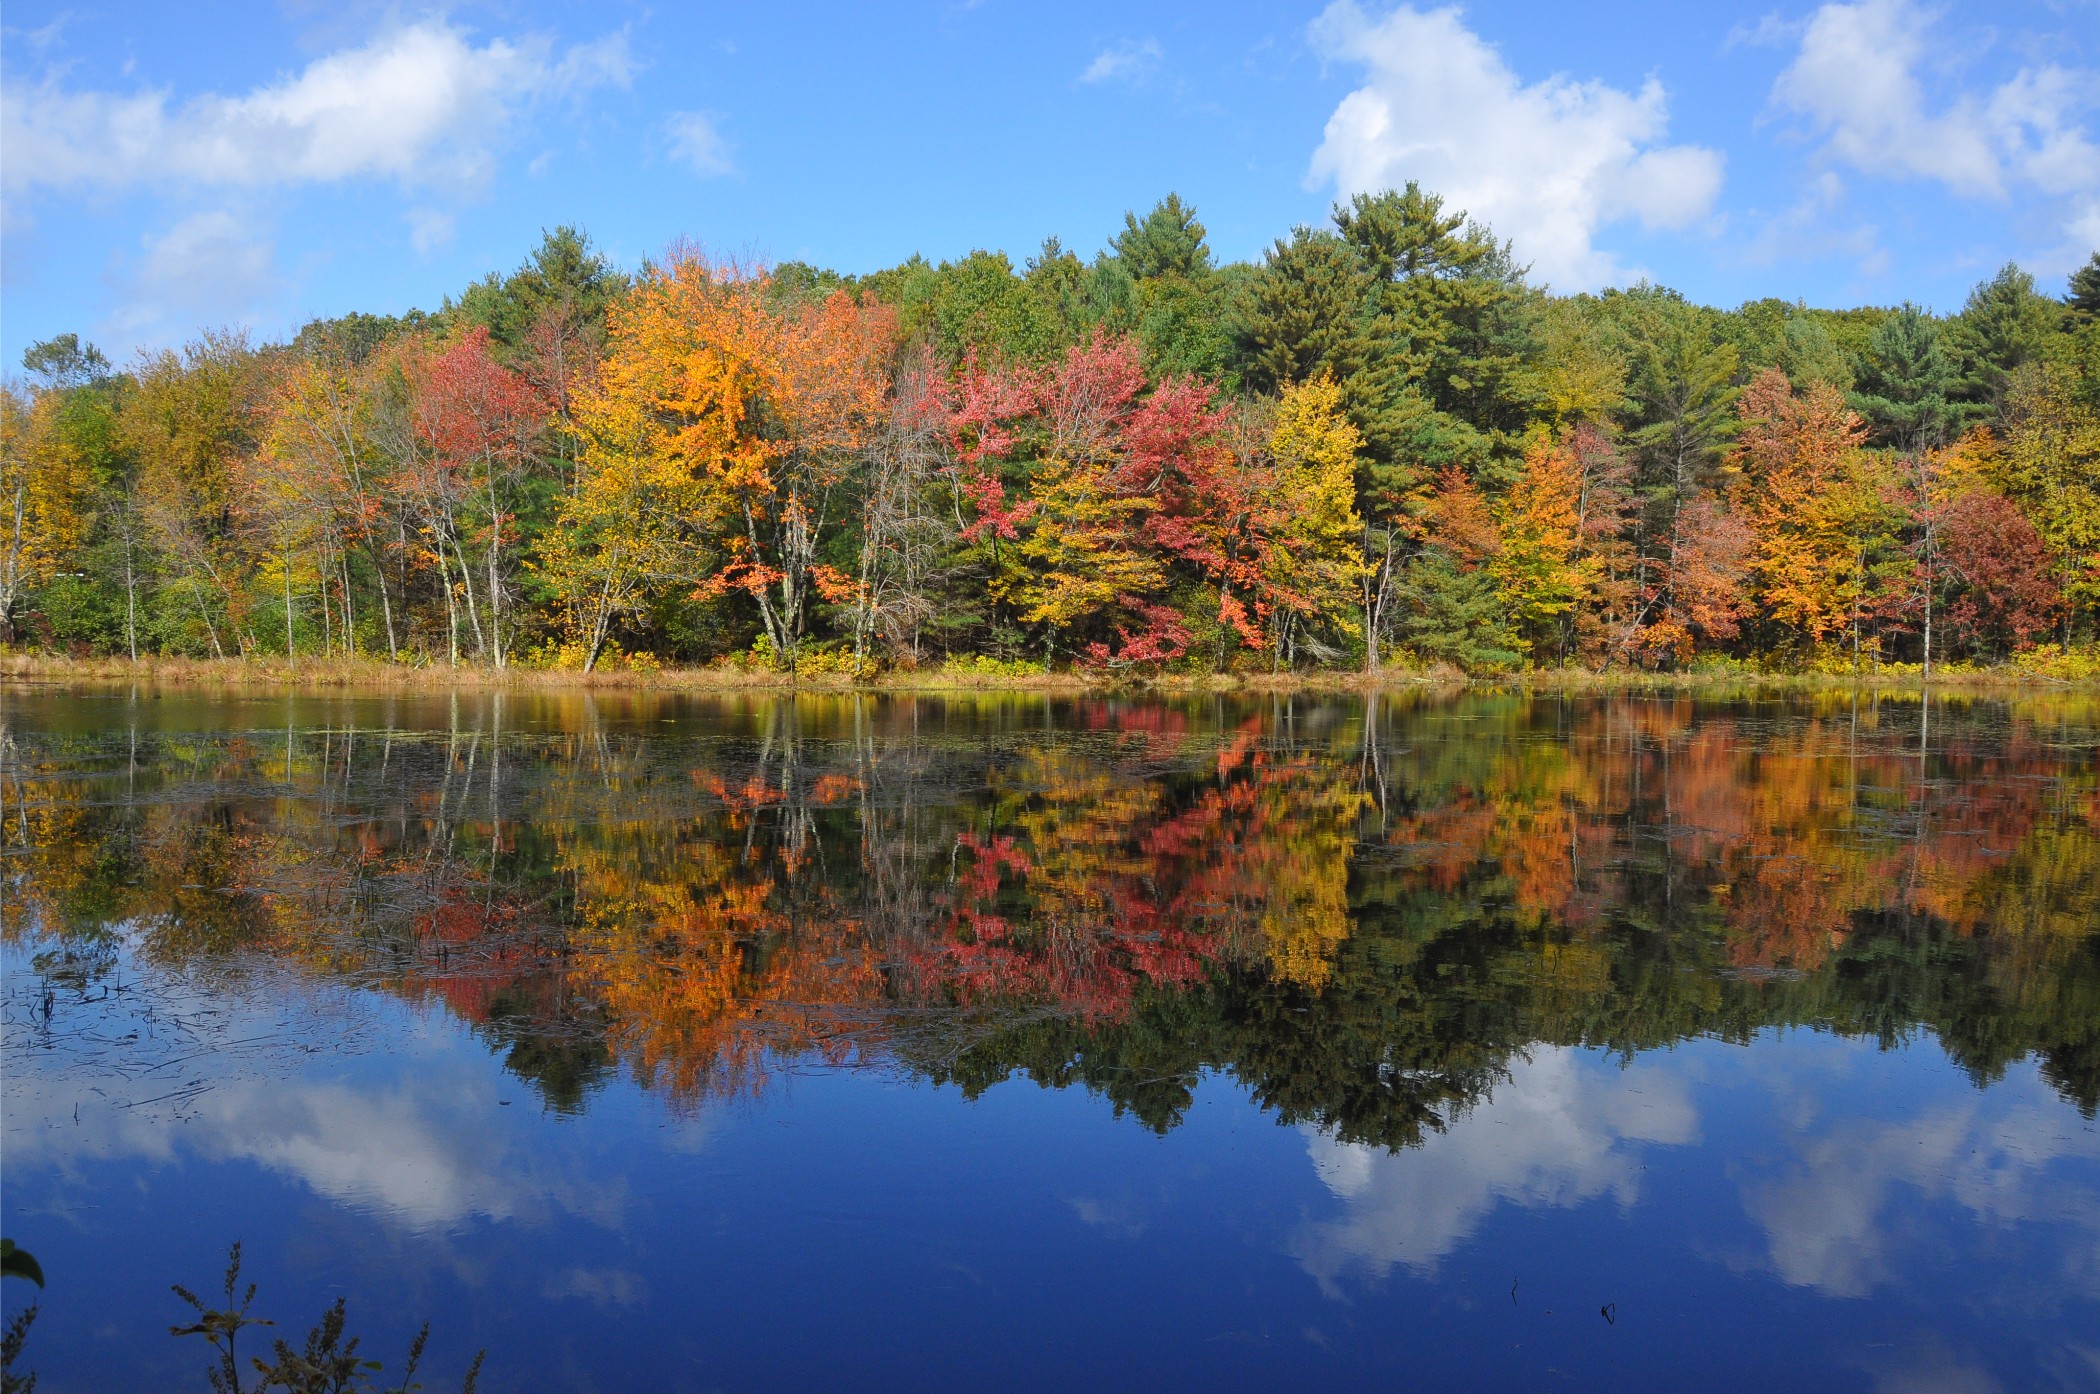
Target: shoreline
column 374, row 675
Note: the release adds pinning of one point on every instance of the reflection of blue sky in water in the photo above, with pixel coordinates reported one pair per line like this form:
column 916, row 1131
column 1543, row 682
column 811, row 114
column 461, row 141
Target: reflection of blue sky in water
column 1845, row 1196
column 1560, row 1130
column 366, row 1102
column 1990, row 1196
column 1830, row 1197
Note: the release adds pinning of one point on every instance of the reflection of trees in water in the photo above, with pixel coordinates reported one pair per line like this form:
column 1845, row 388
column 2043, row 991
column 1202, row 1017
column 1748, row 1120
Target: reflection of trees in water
column 1361, row 913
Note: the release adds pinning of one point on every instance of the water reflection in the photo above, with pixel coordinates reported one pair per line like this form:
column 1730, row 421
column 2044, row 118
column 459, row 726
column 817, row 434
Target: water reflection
column 1362, row 913
column 1493, row 958
column 369, row 1109
column 1824, row 1204
column 1562, row 1129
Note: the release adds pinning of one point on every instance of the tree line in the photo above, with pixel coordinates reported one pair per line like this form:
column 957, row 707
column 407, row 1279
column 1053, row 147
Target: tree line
column 1381, row 444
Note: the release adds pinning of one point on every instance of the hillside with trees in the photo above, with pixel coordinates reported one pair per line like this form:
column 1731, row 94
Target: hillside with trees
column 1380, row 446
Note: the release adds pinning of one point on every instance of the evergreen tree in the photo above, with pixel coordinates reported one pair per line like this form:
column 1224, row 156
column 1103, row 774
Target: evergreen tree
column 2083, row 301
column 62, row 361
column 1447, row 379
column 1300, row 314
column 564, row 277
column 1456, row 615
column 1159, row 282
column 2005, row 323
column 1810, row 355
column 1907, row 383
column 1059, row 282
column 1168, row 242
column 1683, row 390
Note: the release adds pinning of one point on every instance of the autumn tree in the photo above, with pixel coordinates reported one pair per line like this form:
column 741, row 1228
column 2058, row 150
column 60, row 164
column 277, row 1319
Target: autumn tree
column 2051, row 466
column 1802, row 493
column 191, row 420
column 765, row 411
column 1539, row 563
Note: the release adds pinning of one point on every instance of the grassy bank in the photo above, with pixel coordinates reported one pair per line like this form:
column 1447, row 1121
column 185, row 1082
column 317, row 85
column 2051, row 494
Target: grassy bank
column 340, row 674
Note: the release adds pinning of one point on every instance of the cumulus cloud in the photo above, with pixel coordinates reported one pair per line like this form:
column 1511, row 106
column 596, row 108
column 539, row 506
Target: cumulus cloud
column 1547, row 165
column 421, row 1148
column 420, row 104
column 210, row 268
column 1123, row 62
column 1825, row 1210
column 696, row 144
column 1856, row 81
column 1560, row 1132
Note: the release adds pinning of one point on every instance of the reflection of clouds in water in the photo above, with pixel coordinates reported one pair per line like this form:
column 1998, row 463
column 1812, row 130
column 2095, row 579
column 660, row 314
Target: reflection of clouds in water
column 1933, row 1369
column 1822, row 1209
column 604, row 1287
column 425, row 1146
column 1111, row 1216
column 1556, row 1133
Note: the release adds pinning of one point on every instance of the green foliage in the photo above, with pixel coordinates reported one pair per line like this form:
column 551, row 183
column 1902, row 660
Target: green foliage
column 1907, row 383
column 221, row 1326
column 1168, row 242
column 1300, row 313
column 564, row 279
column 1452, row 614
column 19, row 1263
column 63, row 361
column 984, row 665
column 326, row 495
column 12, row 1342
column 2082, row 299
column 2005, row 324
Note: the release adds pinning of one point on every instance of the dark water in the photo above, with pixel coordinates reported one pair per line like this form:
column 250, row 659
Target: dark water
column 1477, row 1042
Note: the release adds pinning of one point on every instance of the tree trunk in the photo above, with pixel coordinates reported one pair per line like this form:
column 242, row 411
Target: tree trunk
column 291, row 661
column 131, row 596
column 495, row 567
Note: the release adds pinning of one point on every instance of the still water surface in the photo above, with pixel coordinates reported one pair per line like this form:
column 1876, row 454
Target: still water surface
column 1467, row 1042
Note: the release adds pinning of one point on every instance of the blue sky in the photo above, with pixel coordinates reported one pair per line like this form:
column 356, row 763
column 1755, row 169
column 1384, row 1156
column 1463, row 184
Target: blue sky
column 166, row 167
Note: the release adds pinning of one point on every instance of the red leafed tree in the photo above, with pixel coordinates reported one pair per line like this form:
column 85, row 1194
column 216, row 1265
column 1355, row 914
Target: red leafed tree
column 2006, row 596
column 1702, row 595
column 480, row 423
column 1081, row 563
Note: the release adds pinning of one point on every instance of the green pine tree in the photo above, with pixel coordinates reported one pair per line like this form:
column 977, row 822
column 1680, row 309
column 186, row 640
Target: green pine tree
column 1907, row 383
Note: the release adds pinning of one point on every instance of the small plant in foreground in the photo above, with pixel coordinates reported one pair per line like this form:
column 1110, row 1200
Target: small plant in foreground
column 17, row 1263
column 327, row 1364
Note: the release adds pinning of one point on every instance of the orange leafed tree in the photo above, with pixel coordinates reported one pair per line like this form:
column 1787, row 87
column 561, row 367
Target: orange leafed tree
column 1540, row 564
column 763, row 406
column 1798, row 457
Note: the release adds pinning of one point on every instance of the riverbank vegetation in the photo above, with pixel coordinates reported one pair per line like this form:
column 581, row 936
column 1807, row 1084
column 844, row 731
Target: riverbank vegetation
column 1380, row 446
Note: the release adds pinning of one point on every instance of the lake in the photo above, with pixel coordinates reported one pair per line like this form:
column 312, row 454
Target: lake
column 1471, row 1040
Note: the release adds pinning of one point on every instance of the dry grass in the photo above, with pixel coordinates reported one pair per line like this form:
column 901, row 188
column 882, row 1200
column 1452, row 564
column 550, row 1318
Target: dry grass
column 374, row 675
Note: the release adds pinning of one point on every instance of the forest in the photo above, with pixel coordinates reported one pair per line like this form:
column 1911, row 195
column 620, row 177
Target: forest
column 1379, row 447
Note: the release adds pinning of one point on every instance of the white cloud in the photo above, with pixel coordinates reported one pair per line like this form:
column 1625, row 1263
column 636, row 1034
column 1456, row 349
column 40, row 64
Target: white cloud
column 210, row 268
column 429, row 229
column 696, row 144
column 1820, row 223
column 419, row 104
column 1546, row 165
column 1123, row 62
column 422, row 1147
column 1824, row 1211
column 1556, row 1134
column 1856, row 80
